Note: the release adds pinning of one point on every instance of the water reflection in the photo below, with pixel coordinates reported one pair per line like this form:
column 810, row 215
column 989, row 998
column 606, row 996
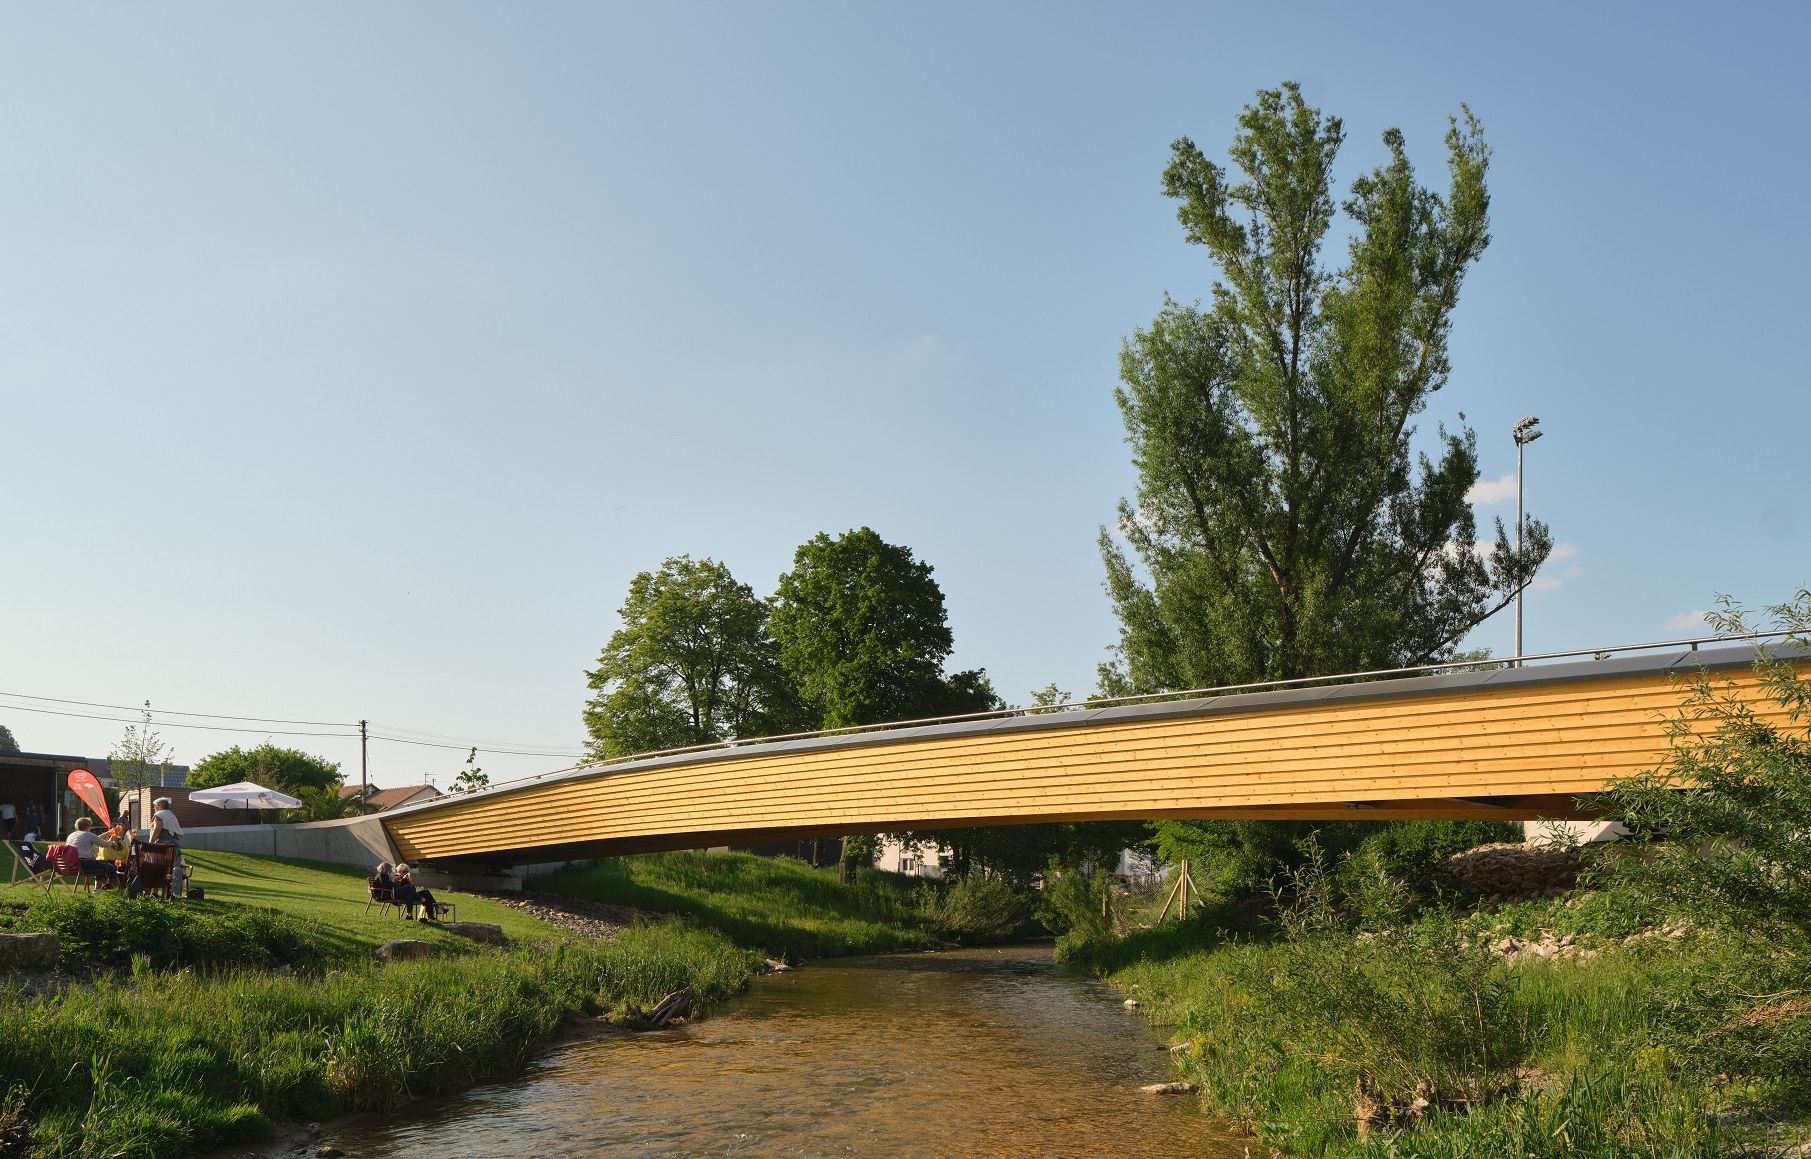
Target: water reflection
column 968, row 1052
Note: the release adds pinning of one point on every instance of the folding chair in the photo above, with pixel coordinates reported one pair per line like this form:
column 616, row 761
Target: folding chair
column 148, row 869
column 41, row 878
column 384, row 897
column 66, row 861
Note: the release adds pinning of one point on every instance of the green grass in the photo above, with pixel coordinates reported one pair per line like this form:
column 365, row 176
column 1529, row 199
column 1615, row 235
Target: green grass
column 332, row 899
column 163, row 1064
column 784, row 908
column 1276, row 1033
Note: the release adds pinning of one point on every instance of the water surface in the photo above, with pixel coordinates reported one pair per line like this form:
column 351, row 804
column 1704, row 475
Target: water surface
column 993, row 1052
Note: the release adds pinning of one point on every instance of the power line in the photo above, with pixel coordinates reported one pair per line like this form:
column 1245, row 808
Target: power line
column 134, row 708
column 163, row 723
column 443, row 741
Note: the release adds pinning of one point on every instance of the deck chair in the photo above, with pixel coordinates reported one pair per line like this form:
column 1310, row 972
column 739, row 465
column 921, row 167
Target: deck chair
column 22, row 871
column 148, row 869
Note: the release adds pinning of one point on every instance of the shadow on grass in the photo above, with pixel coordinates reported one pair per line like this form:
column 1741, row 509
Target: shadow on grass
column 786, row 909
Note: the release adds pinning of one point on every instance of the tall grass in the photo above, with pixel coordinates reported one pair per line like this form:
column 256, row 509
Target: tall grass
column 163, row 1063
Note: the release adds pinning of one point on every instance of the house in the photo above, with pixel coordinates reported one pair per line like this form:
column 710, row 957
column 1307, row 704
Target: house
column 380, row 800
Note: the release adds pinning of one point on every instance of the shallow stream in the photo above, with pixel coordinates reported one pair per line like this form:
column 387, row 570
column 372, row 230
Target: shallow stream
column 995, row 1052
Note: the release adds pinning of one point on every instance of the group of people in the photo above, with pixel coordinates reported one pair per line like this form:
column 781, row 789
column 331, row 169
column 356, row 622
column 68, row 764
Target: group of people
column 34, row 820
column 394, row 881
column 98, row 851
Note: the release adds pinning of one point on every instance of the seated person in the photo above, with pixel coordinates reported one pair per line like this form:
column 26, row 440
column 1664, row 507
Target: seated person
column 404, row 891
column 164, row 826
column 86, row 841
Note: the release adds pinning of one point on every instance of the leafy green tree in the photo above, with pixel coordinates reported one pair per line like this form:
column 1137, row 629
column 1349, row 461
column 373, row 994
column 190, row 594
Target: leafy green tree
column 287, row 770
column 863, row 633
column 692, row 663
column 1282, row 523
column 1719, row 837
column 1720, row 829
column 322, row 804
column 8, row 746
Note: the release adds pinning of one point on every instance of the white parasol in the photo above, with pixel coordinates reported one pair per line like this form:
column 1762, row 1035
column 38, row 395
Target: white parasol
column 244, row 795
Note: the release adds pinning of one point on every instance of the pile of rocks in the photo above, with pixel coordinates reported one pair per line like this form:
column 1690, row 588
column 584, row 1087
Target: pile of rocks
column 1548, row 948
column 1506, row 873
column 594, row 919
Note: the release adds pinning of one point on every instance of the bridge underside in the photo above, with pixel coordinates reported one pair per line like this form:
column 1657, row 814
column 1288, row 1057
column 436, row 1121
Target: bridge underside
column 1508, row 744
column 1525, row 808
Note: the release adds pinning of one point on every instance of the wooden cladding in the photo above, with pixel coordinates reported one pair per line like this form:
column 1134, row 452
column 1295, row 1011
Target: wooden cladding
column 1511, row 751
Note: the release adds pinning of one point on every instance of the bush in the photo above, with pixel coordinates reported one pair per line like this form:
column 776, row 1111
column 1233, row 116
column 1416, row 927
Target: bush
column 110, row 929
column 977, row 909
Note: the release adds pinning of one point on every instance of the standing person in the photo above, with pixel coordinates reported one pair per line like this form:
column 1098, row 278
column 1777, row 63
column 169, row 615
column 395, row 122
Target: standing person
column 34, row 816
column 9, row 817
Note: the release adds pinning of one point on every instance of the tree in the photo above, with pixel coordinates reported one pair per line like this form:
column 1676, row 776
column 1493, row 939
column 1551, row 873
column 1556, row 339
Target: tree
column 141, row 758
column 1718, row 837
column 287, row 770
column 8, row 746
column 1278, row 516
column 1720, row 828
column 863, row 633
column 692, row 663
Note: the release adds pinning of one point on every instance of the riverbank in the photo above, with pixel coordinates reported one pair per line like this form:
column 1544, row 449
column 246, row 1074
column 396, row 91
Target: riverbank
column 792, row 911
column 177, row 1027
column 1561, row 1026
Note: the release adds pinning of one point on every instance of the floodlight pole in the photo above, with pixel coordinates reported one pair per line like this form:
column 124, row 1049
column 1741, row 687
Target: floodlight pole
column 1524, row 433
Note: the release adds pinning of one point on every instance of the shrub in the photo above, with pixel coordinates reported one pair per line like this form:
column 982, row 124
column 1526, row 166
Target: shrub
column 977, row 909
column 110, row 930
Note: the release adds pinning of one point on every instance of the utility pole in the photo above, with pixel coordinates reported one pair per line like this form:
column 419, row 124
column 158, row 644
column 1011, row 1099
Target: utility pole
column 364, row 780
column 1524, row 433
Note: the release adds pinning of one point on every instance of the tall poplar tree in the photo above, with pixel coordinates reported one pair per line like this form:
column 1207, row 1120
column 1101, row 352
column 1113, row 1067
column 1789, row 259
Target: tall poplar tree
column 1283, row 522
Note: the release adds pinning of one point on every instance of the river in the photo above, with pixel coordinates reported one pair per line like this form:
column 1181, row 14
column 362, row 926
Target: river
column 994, row 1051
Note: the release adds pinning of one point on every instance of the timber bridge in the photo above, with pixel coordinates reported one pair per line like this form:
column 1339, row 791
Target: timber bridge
column 1512, row 742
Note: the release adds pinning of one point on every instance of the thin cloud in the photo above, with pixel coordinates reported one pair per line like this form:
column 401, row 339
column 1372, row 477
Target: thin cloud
column 1562, row 551
column 1686, row 620
column 1492, row 490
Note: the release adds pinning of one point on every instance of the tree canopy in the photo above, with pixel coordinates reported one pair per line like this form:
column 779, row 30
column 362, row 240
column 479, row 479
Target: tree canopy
column 692, row 663
column 8, row 746
column 1285, row 526
column 863, row 633
column 289, row 770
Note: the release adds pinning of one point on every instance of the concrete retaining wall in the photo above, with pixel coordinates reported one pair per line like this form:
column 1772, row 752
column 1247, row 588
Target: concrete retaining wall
column 351, row 841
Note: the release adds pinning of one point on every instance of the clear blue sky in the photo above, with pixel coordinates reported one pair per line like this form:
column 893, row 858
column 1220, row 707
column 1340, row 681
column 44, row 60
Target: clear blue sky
column 353, row 358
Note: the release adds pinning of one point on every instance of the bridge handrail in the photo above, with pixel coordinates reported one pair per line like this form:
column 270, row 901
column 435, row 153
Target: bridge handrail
column 1144, row 698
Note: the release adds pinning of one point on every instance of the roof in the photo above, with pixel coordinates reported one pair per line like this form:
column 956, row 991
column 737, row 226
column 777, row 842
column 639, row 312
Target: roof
column 382, row 799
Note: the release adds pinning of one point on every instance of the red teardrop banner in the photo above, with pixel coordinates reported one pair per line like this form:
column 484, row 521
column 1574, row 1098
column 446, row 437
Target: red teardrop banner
column 89, row 790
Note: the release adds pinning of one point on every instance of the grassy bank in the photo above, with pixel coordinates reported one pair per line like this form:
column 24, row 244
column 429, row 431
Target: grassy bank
column 1296, row 1036
column 182, row 1026
column 789, row 910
